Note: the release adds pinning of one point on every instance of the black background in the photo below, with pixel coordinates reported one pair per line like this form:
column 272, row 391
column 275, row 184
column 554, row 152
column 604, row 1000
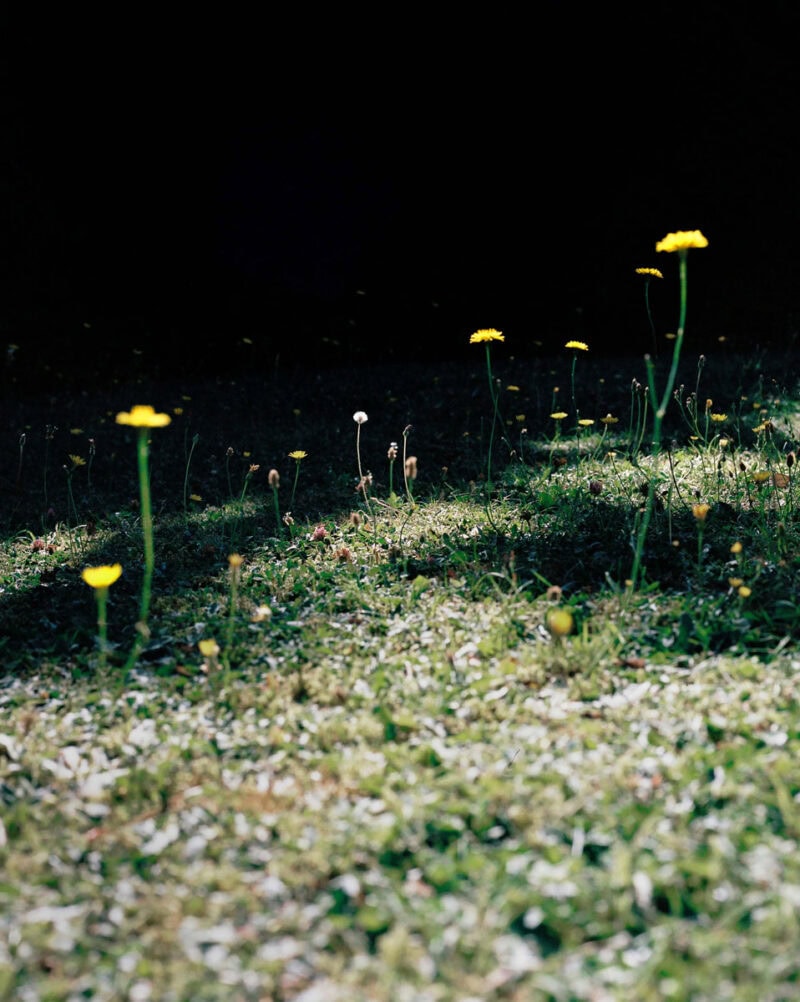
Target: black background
column 380, row 187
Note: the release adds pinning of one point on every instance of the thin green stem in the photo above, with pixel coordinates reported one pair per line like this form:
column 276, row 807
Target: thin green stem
column 294, row 485
column 494, row 396
column 195, row 440
column 147, row 525
column 572, row 382
column 102, row 624
column 658, row 420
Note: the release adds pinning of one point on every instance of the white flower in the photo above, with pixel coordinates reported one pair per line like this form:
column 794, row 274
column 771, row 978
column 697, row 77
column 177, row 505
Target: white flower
column 360, row 417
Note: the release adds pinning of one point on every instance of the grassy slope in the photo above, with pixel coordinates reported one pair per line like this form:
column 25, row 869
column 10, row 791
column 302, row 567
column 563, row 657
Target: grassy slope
column 393, row 783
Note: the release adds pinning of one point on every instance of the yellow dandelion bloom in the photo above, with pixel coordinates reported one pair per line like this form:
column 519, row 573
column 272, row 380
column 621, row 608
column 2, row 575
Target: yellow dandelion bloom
column 719, row 418
column 143, row 416
column 737, row 547
column 649, row 272
column 577, row 345
column 77, row 460
column 683, row 240
column 761, row 477
column 486, row 334
column 520, row 418
column 586, row 422
column 209, row 648
column 745, row 592
column 298, row 454
column 735, row 582
column 513, row 389
column 101, row 577
column 700, row 511
column 235, row 560
column 609, row 419
column 559, row 415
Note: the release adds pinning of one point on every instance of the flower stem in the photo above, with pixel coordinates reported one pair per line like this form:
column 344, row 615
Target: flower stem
column 102, row 624
column 147, row 526
column 659, row 413
column 493, row 394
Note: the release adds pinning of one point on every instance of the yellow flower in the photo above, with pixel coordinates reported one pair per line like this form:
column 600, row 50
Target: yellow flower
column 559, row 415
column 486, row 334
column 298, row 454
column 745, row 592
column 209, row 648
column 683, row 240
column 586, row 422
column 101, row 577
column 650, row 272
column 737, row 547
column 235, row 560
column 761, row 477
column 143, row 416
column 700, row 511
column 513, row 389
column 559, row 622
column 577, row 345
column 77, row 460
column 719, row 418
column 735, row 582
column 609, row 419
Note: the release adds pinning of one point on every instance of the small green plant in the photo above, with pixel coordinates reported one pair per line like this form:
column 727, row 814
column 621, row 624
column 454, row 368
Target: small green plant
column 486, row 336
column 100, row 579
column 649, row 274
column 195, row 440
column 575, row 347
column 298, row 456
column 143, row 418
column 680, row 242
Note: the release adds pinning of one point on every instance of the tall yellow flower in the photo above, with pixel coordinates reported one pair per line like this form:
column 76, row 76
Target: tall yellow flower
column 577, row 345
column 649, row 272
column 101, row 577
column 683, row 240
column 143, row 416
column 487, row 334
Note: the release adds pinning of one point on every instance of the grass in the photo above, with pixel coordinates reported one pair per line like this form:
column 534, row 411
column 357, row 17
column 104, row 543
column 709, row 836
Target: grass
column 387, row 779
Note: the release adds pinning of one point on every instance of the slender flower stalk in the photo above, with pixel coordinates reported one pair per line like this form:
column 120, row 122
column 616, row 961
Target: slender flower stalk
column 408, row 466
column 391, row 455
column 274, row 480
column 195, row 440
column 576, row 346
column 144, row 418
column 100, row 579
column 22, row 439
column 298, row 456
column 487, row 335
column 360, row 418
column 682, row 241
column 235, row 562
column 649, row 274
column 700, row 513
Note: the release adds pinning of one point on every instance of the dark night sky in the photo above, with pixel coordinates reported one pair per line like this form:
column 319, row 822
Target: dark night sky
column 179, row 185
